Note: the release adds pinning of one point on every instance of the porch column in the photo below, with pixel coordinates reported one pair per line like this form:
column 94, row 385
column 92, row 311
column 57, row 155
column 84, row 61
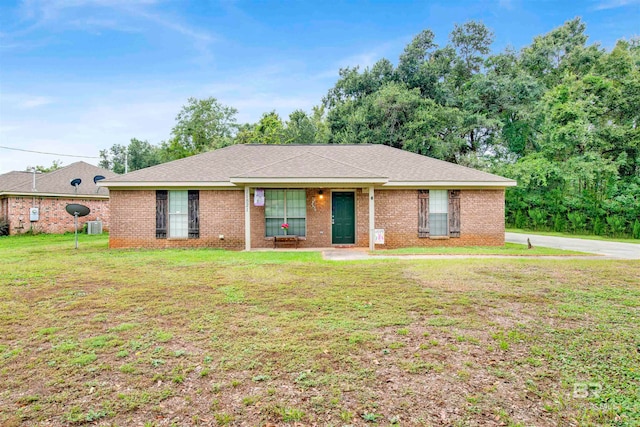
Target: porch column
column 247, row 218
column 372, row 220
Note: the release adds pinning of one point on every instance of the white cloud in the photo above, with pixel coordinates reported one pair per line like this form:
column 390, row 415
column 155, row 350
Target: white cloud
column 86, row 126
column 505, row 4
column 171, row 24
column 24, row 101
column 36, row 101
column 283, row 87
column 127, row 16
column 615, row 4
column 365, row 59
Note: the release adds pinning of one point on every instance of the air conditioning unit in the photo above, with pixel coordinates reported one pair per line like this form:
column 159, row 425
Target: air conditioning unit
column 94, row 227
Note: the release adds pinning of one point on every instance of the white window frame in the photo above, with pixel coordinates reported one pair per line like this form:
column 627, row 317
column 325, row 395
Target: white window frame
column 178, row 219
column 286, row 218
column 438, row 205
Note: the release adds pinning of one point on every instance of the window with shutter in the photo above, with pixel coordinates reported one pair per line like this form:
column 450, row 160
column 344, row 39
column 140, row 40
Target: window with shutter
column 438, row 213
column 177, row 214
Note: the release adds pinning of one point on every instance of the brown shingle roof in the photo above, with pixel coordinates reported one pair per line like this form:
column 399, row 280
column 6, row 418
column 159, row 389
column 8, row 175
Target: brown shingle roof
column 308, row 165
column 241, row 163
column 57, row 182
column 13, row 179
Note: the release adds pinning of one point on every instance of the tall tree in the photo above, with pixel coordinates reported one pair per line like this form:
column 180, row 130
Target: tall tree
column 201, row 125
column 299, row 129
column 55, row 165
column 560, row 116
column 270, row 129
column 113, row 158
column 472, row 41
column 136, row 155
column 544, row 58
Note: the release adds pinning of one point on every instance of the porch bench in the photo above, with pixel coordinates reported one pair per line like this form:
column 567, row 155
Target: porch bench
column 288, row 239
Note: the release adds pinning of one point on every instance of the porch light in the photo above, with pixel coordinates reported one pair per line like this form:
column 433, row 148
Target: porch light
column 320, row 194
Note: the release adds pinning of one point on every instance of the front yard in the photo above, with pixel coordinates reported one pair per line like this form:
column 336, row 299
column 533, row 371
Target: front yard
column 206, row 337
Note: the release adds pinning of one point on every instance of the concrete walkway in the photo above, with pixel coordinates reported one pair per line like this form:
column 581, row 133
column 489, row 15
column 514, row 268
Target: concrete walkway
column 615, row 250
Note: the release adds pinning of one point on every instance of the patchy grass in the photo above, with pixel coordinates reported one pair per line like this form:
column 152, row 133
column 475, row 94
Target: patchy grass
column 509, row 249
column 575, row 236
column 208, row 337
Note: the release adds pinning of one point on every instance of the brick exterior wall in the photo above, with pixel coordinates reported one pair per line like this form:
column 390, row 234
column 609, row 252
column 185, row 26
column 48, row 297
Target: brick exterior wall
column 481, row 219
column 134, row 220
column 222, row 212
column 318, row 222
column 53, row 216
column 362, row 219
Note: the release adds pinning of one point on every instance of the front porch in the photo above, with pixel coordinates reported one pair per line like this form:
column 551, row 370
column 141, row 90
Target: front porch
column 320, row 217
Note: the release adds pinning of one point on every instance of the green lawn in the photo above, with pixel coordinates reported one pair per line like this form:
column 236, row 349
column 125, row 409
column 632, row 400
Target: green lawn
column 575, row 236
column 209, row 337
column 509, row 249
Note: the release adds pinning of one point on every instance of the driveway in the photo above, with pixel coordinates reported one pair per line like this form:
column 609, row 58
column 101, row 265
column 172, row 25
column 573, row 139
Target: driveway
column 610, row 249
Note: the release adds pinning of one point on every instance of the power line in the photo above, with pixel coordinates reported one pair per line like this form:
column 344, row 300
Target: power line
column 52, row 154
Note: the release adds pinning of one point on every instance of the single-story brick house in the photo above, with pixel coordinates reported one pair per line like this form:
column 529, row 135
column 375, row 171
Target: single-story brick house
column 37, row 201
column 238, row 197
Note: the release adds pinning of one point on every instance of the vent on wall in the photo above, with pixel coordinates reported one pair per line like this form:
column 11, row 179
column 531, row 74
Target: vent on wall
column 94, row 227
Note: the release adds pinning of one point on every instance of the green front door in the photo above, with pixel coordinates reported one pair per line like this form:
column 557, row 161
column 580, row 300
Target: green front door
column 343, row 218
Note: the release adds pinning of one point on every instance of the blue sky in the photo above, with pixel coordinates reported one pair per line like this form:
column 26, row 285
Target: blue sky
column 77, row 76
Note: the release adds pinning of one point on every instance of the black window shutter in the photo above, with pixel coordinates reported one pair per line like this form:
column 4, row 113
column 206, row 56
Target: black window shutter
column 162, row 203
column 194, row 208
column 454, row 213
column 423, row 213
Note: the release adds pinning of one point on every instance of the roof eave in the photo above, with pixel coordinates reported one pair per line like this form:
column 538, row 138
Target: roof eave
column 318, row 181
column 451, row 184
column 67, row 195
column 164, row 184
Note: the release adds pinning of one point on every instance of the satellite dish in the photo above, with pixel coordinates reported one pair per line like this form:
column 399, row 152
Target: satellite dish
column 97, row 178
column 76, row 209
column 75, row 182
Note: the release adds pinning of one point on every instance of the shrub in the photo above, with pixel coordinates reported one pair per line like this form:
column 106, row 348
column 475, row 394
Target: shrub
column 539, row 218
column 598, row 226
column 636, row 229
column 559, row 224
column 616, row 225
column 521, row 220
column 577, row 221
column 4, row 226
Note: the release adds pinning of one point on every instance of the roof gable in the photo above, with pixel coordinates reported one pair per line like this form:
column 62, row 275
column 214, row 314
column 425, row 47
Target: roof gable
column 308, row 165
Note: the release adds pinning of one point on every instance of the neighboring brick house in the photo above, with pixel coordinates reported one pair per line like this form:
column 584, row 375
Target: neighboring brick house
column 50, row 193
column 238, row 197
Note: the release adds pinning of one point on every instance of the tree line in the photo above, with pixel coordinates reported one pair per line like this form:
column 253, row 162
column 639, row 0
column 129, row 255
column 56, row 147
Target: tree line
column 560, row 116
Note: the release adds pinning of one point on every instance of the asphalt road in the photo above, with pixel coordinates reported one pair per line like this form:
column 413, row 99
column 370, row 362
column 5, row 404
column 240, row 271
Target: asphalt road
column 610, row 249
